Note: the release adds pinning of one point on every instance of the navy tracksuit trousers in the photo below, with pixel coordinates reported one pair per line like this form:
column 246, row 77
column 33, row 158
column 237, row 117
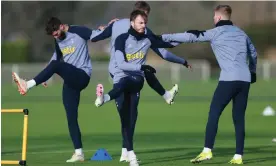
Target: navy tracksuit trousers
column 237, row 91
column 127, row 95
column 75, row 80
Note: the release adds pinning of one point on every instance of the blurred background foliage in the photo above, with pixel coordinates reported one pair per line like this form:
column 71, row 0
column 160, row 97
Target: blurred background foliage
column 24, row 40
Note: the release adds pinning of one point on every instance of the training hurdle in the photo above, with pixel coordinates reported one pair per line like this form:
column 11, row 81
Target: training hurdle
column 25, row 134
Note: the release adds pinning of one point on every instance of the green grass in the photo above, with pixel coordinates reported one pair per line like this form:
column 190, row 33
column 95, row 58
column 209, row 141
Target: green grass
column 165, row 135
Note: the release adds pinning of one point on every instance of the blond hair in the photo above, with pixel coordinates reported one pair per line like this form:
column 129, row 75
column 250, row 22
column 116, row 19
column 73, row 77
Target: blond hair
column 225, row 10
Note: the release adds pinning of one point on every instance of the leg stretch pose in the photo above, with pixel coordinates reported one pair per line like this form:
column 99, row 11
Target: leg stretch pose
column 73, row 65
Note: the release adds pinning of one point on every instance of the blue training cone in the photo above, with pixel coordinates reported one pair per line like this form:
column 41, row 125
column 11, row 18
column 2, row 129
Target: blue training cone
column 101, row 155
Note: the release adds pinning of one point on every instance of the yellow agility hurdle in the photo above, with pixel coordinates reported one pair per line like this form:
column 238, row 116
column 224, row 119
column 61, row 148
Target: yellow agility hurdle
column 25, row 134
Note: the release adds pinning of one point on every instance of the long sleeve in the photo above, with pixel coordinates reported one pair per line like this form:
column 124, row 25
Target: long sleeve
column 158, row 42
column 165, row 54
column 58, row 54
column 252, row 56
column 93, row 35
column 54, row 57
column 121, row 57
column 190, row 36
column 168, row 56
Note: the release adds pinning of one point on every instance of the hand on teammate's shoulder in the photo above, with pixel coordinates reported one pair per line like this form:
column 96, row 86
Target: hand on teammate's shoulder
column 113, row 20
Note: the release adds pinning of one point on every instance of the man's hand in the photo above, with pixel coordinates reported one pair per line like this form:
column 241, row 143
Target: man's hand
column 253, row 77
column 113, row 20
column 188, row 66
column 148, row 68
column 102, row 27
column 45, row 84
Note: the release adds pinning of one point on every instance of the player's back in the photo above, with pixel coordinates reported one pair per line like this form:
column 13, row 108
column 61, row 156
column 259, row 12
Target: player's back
column 119, row 27
column 231, row 50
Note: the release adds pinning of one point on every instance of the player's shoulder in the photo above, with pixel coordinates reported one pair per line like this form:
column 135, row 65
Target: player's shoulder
column 240, row 29
column 149, row 31
column 229, row 28
column 121, row 40
column 124, row 21
column 72, row 35
column 122, row 37
column 236, row 30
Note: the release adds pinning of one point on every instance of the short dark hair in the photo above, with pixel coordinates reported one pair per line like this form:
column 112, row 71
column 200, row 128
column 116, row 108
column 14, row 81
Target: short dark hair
column 142, row 5
column 52, row 25
column 224, row 9
column 135, row 13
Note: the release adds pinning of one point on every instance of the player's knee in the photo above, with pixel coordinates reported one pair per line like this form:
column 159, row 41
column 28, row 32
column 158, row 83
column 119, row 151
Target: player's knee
column 150, row 78
column 148, row 74
column 213, row 116
column 216, row 109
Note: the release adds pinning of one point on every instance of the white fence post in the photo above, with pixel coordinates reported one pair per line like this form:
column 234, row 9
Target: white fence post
column 175, row 73
column 266, row 70
column 15, row 69
column 206, row 71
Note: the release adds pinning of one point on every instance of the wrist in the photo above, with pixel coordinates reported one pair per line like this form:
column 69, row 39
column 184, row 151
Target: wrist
column 185, row 63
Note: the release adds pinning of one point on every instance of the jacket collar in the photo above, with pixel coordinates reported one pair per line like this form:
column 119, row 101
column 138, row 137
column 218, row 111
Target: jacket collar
column 137, row 35
column 224, row 22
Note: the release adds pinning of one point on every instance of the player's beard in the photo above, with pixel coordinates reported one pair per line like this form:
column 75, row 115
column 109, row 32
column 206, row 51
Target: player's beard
column 139, row 30
column 62, row 35
column 142, row 30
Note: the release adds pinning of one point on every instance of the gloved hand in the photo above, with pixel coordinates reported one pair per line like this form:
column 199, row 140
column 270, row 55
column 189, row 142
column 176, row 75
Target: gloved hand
column 148, row 68
column 196, row 32
column 253, row 77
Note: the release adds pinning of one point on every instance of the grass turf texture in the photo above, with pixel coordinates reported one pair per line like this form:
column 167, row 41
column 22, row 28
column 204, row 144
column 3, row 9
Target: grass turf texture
column 165, row 135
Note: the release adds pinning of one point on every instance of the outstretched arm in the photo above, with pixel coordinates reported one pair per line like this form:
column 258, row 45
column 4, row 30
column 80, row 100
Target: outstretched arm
column 168, row 56
column 158, row 42
column 93, row 35
column 57, row 55
column 190, row 36
column 165, row 54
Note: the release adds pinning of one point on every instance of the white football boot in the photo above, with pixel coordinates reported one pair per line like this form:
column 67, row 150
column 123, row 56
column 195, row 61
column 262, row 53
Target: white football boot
column 173, row 92
column 21, row 84
column 124, row 158
column 134, row 162
column 76, row 158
